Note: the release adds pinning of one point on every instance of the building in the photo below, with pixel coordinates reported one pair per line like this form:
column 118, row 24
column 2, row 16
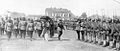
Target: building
column 57, row 13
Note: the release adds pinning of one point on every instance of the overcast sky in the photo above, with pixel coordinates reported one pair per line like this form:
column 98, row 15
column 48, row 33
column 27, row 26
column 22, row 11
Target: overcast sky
column 108, row 7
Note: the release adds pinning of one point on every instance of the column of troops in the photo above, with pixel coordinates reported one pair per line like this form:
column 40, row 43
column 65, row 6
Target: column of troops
column 22, row 27
column 105, row 32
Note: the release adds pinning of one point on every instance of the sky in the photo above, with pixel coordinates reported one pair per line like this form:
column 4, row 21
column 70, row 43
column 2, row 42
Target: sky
column 77, row 7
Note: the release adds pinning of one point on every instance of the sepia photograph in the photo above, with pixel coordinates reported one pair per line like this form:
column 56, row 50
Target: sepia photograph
column 59, row 25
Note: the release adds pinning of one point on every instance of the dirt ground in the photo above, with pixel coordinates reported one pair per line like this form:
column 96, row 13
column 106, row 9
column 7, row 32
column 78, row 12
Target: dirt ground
column 68, row 43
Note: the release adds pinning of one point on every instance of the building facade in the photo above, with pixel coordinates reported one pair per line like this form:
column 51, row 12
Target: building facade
column 58, row 13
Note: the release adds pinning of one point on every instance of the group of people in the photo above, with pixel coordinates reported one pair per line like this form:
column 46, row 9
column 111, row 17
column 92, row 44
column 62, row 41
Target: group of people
column 23, row 27
column 105, row 32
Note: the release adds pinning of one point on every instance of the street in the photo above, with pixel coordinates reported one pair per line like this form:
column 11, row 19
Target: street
column 68, row 43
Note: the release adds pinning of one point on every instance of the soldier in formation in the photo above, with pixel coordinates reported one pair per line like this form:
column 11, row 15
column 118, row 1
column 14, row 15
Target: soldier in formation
column 105, row 32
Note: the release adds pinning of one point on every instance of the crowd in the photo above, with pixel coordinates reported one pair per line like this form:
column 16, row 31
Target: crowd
column 105, row 32
column 22, row 27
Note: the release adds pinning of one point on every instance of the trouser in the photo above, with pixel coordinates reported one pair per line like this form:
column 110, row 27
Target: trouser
column 30, row 33
column 60, row 34
column 39, row 32
column 94, row 36
column 99, row 38
column 112, row 40
column 88, row 35
column 51, row 32
column 82, row 35
column 97, row 35
column 16, row 32
column 2, row 31
column 85, row 35
column 78, row 33
column 22, row 33
column 118, row 42
column 9, row 33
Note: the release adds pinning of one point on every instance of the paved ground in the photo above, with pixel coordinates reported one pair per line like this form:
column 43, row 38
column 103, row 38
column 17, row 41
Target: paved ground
column 68, row 43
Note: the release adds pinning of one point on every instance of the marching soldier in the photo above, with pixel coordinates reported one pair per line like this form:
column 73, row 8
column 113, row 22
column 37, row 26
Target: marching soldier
column 38, row 27
column 22, row 26
column 60, row 29
column 30, row 28
column 2, row 26
column 15, row 27
column 8, row 28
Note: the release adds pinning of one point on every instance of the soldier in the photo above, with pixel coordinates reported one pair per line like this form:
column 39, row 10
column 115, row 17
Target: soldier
column 95, row 29
column 22, row 26
column 78, row 29
column 60, row 29
column 2, row 26
column 15, row 27
column 38, row 27
column 118, row 38
column 8, row 28
column 52, row 28
column 112, row 38
column 82, row 30
column 30, row 28
column 99, row 33
column 88, row 29
column 105, row 30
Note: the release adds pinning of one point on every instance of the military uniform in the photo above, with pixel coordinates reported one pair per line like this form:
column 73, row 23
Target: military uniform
column 8, row 28
column 78, row 30
column 2, row 27
column 22, row 26
column 60, row 30
column 38, row 27
column 30, row 29
column 15, row 28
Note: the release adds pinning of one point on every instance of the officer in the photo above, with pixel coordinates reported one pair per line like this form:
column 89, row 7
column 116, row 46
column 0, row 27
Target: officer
column 60, row 29
column 38, row 27
column 8, row 28
column 52, row 28
column 15, row 27
column 22, row 26
column 30, row 28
